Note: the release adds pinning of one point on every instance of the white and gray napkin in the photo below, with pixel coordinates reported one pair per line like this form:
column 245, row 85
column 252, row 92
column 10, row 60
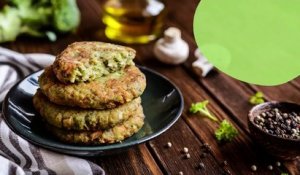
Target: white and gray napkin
column 17, row 156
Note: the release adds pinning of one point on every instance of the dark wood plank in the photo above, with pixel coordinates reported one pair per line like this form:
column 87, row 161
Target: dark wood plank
column 218, row 85
column 231, row 94
column 205, row 129
column 296, row 82
column 137, row 160
column 173, row 159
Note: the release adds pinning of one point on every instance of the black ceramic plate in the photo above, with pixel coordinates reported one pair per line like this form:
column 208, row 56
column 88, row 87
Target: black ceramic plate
column 162, row 103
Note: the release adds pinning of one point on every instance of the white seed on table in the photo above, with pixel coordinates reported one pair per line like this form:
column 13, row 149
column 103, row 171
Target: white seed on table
column 201, row 165
column 278, row 164
column 180, row 173
column 187, row 156
column 185, row 150
column 270, row 167
column 169, row 144
column 253, row 167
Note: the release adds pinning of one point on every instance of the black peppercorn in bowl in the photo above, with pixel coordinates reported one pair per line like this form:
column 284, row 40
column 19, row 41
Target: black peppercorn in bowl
column 275, row 127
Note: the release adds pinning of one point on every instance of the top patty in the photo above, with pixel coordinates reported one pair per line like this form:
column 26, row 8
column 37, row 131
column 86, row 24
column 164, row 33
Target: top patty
column 87, row 61
column 103, row 93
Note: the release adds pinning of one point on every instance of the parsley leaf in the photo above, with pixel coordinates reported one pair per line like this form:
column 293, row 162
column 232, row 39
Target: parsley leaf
column 226, row 131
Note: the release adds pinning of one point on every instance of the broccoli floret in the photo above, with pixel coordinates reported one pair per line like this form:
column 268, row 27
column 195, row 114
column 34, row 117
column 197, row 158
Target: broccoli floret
column 33, row 13
column 202, row 109
column 10, row 24
column 66, row 15
column 38, row 18
column 257, row 98
column 226, row 131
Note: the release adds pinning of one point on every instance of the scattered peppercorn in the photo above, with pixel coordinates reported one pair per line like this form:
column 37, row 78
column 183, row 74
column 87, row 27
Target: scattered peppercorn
column 187, row 156
column 201, row 166
column 279, row 123
column 169, row 144
column 206, row 147
column 228, row 172
column 278, row 164
column 224, row 163
column 203, row 155
column 185, row 150
column 270, row 167
column 253, row 168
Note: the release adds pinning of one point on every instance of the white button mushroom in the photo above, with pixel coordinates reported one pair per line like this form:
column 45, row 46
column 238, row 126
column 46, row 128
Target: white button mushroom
column 171, row 49
column 201, row 66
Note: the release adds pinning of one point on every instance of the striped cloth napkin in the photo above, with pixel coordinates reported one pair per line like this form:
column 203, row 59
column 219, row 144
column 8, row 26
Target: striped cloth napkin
column 17, row 156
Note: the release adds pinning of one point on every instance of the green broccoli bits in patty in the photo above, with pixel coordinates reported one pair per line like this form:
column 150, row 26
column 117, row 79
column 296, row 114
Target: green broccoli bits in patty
column 91, row 94
column 69, row 118
column 87, row 61
column 103, row 93
column 115, row 134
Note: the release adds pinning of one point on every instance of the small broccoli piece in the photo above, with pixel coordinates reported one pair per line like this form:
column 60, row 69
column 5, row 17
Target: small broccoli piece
column 32, row 14
column 202, row 109
column 226, row 131
column 10, row 24
column 257, row 98
column 38, row 18
column 66, row 15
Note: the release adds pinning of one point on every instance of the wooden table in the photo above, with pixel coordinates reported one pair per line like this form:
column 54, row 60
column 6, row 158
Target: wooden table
column 228, row 100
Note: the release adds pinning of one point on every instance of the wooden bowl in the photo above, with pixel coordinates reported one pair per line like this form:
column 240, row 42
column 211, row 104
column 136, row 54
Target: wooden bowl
column 283, row 148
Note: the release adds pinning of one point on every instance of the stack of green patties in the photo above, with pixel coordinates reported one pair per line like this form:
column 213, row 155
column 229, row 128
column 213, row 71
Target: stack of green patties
column 91, row 94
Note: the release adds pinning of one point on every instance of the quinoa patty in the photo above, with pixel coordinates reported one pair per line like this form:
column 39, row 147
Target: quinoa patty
column 69, row 118
column 116, row 134
column 87, row 61
column 106, row 92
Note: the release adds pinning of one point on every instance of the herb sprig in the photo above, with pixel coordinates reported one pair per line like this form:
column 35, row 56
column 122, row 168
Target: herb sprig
column 225, row 132
column 257, row 98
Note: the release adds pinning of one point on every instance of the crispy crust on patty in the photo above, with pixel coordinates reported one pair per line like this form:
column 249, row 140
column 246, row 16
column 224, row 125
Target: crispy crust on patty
column 104, row 93
column 87, row 61
column 116, row 134
column 70, row 118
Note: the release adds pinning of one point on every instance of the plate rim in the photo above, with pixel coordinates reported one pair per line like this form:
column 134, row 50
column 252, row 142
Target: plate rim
column 61, row 147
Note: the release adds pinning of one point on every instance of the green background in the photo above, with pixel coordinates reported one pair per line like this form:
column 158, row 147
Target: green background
column 256, row 41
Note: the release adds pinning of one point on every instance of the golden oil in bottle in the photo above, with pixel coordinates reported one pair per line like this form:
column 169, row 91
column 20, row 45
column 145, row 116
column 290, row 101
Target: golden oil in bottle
column 133, row 21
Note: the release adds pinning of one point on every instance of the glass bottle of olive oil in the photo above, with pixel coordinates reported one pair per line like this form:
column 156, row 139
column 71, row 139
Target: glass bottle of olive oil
column 133, row 21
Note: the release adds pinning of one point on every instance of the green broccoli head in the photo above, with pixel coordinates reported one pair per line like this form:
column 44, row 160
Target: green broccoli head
column 33, row 13
column 10, row 24
column 38, row 18
column 66, row 15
